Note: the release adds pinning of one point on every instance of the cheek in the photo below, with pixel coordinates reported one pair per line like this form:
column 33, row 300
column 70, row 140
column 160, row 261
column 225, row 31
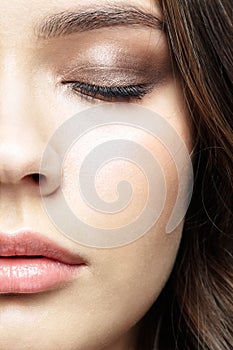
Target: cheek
column 135, row 274
column 167, row 101
column 106, row 179
column 131, row 277
column 139, row 270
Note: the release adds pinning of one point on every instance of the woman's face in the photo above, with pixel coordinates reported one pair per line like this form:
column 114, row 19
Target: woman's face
column 99, row 306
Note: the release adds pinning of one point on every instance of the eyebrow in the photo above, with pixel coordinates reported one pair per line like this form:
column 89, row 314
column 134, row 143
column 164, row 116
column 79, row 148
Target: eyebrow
column 70, row 22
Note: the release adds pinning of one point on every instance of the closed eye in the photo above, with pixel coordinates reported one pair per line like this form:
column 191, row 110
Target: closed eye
column 109, row 93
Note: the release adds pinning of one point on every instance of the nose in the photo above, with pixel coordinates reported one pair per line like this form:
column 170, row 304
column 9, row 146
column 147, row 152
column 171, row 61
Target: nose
column 21, row 155
column 18, row 158
column 23, row 137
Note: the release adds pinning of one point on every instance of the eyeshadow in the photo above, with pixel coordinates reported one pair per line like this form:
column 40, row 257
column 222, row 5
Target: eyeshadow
column 112, row 57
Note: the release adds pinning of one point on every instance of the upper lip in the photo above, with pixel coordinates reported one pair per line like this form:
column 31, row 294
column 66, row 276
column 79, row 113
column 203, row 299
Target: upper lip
column 28, row 243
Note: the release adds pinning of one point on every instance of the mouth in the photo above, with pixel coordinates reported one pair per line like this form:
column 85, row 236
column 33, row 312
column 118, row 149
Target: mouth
column 31, row 263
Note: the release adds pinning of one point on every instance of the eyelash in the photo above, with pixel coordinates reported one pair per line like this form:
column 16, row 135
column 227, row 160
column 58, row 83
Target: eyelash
column 107, row 93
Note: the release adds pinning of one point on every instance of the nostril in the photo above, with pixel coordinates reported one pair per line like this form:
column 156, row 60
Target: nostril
column 37, row 177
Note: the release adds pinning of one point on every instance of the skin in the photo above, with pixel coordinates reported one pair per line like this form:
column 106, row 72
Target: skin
column 100, row 309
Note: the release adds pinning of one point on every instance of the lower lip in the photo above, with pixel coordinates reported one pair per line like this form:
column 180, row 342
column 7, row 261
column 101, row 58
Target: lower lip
column 33, row 275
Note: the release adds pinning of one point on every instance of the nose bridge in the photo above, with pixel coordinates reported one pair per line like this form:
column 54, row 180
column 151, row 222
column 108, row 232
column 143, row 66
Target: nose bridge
column 14, row 88
column 24, row 125
column 17, row 117
column 21, row 141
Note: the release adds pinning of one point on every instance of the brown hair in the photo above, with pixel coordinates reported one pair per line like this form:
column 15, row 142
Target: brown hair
column 195, row 309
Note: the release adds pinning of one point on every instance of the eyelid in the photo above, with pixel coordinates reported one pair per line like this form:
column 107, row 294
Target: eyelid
column 108, row 82
column 112, row 75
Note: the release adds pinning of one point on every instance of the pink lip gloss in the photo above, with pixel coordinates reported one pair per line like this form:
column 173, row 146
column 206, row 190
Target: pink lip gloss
column 33, row 275
column 32, row 263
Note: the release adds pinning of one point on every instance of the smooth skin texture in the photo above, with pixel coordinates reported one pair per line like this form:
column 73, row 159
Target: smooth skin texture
column 100, row 309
